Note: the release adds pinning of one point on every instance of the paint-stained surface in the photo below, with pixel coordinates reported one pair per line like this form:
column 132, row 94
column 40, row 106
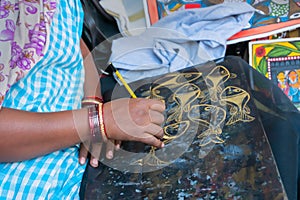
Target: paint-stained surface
column 215, row 145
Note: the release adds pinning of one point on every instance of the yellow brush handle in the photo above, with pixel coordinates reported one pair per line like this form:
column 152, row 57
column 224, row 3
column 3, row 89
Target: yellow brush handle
column 125, row 84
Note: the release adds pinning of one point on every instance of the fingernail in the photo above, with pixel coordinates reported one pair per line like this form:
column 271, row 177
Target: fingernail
column 162, row 145
column 109, row 155
column 82, row 161
column 95, row 162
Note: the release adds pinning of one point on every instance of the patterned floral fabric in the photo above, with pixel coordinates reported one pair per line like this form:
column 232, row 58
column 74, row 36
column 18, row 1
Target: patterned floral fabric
column 24, row 28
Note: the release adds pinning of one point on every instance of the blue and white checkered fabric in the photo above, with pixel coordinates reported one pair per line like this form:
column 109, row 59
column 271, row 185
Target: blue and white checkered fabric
column 54, row 84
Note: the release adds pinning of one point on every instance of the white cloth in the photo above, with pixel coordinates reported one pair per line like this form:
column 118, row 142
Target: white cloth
column 179, row 40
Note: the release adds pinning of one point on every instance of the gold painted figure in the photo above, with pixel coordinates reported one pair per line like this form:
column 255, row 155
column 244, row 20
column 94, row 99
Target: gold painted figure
column 238, row 99
column 189, row 108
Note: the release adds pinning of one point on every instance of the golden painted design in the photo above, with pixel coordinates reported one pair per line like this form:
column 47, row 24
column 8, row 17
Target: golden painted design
column 172, row 81
column 188, row 108
column 151, row 159
column 215, row 79
column 180, row 127
column 238, row 99
column 183, row 97
column 212, row 118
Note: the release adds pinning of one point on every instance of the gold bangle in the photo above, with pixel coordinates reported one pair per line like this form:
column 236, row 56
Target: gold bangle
column 90, row 101
column 101, row 122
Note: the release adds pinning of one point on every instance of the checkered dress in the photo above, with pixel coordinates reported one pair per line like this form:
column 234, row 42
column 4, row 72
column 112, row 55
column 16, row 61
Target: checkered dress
column 54, row 84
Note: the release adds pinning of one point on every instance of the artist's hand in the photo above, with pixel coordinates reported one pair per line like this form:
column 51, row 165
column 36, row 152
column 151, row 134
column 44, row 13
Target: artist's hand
column 95, row 150
column 135, row 120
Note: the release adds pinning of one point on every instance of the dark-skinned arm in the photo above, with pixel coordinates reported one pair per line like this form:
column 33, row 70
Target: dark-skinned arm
column 25, row 135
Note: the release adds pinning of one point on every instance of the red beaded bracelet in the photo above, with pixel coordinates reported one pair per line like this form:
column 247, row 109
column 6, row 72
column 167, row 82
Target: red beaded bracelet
column 99, row 99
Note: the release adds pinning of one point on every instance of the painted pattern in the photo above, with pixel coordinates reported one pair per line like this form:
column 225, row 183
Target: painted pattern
column 215, row 148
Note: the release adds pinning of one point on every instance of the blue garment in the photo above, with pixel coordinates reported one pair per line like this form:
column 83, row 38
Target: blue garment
column 179, row 40
column 50, row 86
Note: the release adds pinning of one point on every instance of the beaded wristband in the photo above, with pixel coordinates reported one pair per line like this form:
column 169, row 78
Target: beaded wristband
column 93, row 115
column 101, row 122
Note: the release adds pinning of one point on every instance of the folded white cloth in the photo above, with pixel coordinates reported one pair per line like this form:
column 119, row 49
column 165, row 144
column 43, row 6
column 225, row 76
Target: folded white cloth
column 179, row 40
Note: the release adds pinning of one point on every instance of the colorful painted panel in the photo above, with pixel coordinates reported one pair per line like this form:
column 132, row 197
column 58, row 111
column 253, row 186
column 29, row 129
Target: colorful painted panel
column 279, row 60
column 271, row 16
column 285, row 72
